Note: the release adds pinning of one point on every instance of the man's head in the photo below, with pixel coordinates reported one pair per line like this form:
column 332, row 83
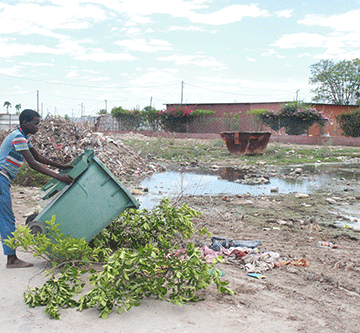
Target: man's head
column 29, row 121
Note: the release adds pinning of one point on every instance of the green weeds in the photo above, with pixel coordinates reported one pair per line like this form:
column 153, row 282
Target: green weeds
column 174, row 150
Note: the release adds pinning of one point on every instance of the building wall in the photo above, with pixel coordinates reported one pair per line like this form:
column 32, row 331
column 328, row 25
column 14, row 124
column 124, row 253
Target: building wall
column 222, row 110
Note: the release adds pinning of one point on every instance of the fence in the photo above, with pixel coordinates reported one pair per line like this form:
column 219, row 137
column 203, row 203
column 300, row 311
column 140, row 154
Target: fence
column 8, row 121
column 199, row 125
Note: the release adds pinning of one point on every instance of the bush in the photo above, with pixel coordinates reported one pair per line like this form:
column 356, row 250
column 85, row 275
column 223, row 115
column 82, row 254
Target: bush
column 295, row 117
column 128, row 119
column 144, row 254
column 177, row 118
column 350, row 123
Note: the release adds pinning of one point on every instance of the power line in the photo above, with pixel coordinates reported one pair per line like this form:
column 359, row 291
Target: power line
column 85, row 86
column 231, row 93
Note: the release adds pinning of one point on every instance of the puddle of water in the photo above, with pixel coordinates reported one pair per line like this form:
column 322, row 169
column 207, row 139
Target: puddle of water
column 348, row 215
column 225, row 181
column 176, row 183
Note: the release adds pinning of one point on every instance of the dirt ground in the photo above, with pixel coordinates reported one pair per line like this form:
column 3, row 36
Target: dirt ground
column 323, row 297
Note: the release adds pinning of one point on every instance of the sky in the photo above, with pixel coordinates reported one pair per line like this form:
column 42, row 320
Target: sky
column 77, row 57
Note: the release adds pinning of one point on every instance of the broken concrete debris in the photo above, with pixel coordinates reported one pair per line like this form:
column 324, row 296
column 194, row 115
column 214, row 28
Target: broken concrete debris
column 63, row 141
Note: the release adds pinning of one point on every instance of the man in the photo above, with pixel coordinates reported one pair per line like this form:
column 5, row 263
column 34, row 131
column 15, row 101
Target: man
column 15, row 148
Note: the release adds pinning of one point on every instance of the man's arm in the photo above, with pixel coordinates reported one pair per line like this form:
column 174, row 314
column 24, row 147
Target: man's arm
column 38, row 167
column 42, row 159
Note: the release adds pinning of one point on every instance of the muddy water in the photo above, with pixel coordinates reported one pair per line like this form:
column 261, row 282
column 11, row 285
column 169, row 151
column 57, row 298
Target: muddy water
column 226, row 181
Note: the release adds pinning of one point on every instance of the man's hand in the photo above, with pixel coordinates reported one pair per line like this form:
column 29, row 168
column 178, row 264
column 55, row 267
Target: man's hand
column 65, row 179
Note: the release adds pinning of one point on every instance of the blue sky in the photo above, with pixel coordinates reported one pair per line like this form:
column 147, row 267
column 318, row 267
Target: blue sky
column 131, row 53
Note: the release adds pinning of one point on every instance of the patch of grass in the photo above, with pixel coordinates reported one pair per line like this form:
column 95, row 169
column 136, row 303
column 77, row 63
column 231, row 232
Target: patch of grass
column 205, row 150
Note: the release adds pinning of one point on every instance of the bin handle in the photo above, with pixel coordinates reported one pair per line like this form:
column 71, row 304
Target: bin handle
column 82, row 188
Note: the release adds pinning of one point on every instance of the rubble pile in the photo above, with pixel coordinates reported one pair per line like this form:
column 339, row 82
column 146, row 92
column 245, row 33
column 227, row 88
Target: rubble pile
column 63, row 141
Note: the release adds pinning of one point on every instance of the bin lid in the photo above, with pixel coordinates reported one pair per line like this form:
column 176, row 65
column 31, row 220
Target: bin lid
column 80, row 164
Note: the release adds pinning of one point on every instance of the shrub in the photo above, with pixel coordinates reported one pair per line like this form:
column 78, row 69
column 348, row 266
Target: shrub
column 144, row 254
column 178, row 117
column 350, row 123
column 127, row 119
column 295, row 117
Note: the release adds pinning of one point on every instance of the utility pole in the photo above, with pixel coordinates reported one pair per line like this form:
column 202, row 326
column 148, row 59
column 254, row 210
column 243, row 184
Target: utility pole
column 42, row 109
column 297, row 94
column 37, row 100
column 182, row 91
column 150, row 102
column 106, row 105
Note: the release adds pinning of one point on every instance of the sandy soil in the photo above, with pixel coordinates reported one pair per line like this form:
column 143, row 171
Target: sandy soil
column 324, row 297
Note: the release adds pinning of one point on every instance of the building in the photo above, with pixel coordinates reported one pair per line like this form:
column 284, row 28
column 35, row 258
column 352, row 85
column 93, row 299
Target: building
column 224, row 113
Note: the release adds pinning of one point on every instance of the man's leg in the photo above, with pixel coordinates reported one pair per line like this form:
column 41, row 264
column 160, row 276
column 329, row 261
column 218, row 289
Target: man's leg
column 7, row 224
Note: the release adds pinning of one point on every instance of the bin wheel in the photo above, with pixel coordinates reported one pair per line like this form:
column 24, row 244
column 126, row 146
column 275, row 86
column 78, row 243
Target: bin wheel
column 37, row 227
column 31, row 218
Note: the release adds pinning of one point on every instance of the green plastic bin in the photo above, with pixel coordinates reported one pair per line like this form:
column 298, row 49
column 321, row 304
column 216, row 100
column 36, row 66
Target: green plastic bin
column 89, row 204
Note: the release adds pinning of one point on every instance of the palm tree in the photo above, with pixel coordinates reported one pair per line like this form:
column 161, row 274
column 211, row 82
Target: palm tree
column 18, row 107
column 7, row 105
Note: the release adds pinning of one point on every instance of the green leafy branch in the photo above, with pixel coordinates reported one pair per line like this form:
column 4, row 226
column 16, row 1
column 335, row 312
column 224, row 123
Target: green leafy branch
column 143, row 254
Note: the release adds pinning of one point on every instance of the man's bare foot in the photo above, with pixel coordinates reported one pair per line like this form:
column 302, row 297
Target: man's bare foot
column 15, row 262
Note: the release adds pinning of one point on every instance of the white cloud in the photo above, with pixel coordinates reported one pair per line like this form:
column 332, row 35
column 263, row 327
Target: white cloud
column 198, row 60
column 185, row 28
column 28, row 18
column 271, row 53
column 99, row 55
column 285, row 13
column 178, row 8
column 250, row 59
column 72, row 75
column 14, row 70
column 342, row 42
column 342, row 22
column 229, row 14
column 142, row 45
column 303, row 39
column 99, row 79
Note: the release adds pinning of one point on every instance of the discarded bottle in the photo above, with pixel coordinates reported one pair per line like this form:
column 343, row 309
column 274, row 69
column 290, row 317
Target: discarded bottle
column 328, row 245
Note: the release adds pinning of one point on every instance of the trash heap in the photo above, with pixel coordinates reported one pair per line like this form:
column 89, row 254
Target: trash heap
column 63, row 141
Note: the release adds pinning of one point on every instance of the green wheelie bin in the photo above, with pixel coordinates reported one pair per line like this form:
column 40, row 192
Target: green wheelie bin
column 89, row 204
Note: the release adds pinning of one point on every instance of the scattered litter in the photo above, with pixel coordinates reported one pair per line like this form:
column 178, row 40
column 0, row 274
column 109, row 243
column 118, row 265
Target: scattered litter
column 327, row 245
column 298, row 263
column 260, row 262
column 208, row 254
column 302, row 195
column 226, row 243
column 256, row 275
column 330, row 201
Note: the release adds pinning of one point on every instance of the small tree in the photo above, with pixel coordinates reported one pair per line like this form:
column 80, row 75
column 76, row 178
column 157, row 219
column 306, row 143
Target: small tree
column 255, row 118
column 7, row 105
column 18, row 108
column 102, row 111
column 350, row 123
column 127, row 119
column 151, row 118
column 232, row 121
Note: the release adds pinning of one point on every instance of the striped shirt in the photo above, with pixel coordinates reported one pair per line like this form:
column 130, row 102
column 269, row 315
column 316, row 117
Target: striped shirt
column 11, row 157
